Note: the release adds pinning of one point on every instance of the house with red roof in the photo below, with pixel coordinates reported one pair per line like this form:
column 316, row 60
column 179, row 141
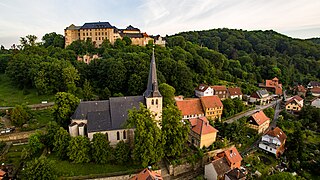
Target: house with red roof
column 315, row 91
column 258, row 121
column 212, row 106
column 190, row 108
column 272, row 85
column 300, row 90
column 147, row 174
column 203, row 90
column 224, row 162
column 294, row 104
column 273, row 141
column 202, row 134
column 235, row 92
column 220, row 91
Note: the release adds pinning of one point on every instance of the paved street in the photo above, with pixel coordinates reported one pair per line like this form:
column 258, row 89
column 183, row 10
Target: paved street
column 249, row 113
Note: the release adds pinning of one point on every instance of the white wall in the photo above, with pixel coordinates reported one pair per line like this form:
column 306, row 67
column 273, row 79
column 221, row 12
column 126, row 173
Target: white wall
column 209, row 172
column 268, row 148
column 316, row 103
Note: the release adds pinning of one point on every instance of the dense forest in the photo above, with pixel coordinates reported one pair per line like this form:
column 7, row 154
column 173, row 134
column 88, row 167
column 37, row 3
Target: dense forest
column 220, row 56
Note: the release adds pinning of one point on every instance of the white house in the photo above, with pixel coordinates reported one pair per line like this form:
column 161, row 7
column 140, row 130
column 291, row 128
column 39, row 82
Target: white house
column 203, row 90
column 316, row 102
column 235, row 92
column 273, row 141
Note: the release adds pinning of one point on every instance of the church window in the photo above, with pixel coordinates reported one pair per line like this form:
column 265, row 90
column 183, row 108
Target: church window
column 107, row 137
column 152, row 102
column 118, row 135
column 156, row 101
column 124, row 135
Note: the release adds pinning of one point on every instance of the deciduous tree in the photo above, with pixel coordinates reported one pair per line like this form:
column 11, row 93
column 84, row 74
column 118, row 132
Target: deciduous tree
column 61, row 143
column 79, row 149
column 167, row 93
column 122, row 153
column 40, row 168
column 101, row 150
column 19, row 115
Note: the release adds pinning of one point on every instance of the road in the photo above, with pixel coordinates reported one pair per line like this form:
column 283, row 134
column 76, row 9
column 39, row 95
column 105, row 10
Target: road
column 249, row 113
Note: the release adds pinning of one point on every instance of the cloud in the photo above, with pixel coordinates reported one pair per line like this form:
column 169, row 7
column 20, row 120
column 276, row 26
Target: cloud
column 299, row 18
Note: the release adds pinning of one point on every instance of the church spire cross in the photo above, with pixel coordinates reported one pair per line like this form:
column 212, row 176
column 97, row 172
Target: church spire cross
column 152, row 87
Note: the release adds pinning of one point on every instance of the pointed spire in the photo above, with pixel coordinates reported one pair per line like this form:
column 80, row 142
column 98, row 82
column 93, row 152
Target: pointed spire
column 152, row 87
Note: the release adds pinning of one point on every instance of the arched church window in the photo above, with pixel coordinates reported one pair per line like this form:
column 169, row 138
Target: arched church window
column 107, row 137
column 124, row 135
column 156, row 101
column 152, row 102
column 118, row 135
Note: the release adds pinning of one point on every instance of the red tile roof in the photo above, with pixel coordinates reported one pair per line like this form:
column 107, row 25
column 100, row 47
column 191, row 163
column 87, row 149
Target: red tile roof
column 315, row 90
column 202, row 126
column 234, row 91
column 273, row 84
column 301, row 88
column 2, row 173
column 190, row 106
column 259, row 117
column 147, row 174
column 232, row 155
column 277, row 132
column 219, row 88
column 202, row 87
column 211, row 101
column 294, row 98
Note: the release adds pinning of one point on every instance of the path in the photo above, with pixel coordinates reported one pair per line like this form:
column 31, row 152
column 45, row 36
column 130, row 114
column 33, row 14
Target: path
column 33, row 106
column 249, row 113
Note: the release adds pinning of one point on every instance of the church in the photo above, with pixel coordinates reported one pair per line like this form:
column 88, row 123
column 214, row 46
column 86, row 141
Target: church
column 109, row 116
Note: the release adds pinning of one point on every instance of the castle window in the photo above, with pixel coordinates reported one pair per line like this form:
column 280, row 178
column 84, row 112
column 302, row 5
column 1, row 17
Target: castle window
column 107, row 137
column 118, row 135
column 96, row 33
column 102, row 33
column 90, row 34
column 152, row 102
column 99, row 38
column 124, row 135
column 99, row 33
column 87, row 34
column 156, row 101
column 84, row 34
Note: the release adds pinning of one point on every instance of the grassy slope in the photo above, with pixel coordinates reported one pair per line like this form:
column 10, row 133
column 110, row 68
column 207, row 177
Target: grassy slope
column 11, row 95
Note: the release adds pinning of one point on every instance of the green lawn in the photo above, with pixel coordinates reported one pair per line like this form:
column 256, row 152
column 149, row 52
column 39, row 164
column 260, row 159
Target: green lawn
column 68, row 169
column 40, row 119
column 14, row 155
column 260, row 161
column 11, row 95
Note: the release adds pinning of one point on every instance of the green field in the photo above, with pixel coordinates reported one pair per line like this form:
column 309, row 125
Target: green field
column 40, row 119
column 68, row 169
column 14, row 155
column 10, row 95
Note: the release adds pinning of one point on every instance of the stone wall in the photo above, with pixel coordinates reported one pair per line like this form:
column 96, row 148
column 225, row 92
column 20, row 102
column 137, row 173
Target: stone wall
column 16, row 136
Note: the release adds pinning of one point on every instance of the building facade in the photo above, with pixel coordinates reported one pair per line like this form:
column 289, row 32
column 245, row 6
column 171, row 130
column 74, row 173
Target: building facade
column 203, row 90
column 259, row 122
column 212, row 106
column 294, row 104
column 273, row 141
column 260, row 97
column 272, row 85
column 100, row 31
column 235, row 92
column 202, row 134
column 220, row 91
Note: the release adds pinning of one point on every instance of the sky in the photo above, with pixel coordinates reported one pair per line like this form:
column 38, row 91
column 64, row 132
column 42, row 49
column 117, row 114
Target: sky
column 294, row 18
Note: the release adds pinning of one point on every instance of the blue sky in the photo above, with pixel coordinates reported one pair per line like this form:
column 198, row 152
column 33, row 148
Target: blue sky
column 295, row 18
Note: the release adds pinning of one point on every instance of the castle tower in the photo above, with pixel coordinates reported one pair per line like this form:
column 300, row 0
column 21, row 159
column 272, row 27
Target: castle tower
column 152, row 94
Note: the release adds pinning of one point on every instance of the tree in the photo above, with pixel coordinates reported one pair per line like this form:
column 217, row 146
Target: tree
column 167, row 93
column 53, row 39
column 174, row 131
column 282, row 176
column 64, row 106
column 29, row 40
column 70, row 76
column 148, row 141
column 79, row 150
column 19, row 115
column 87, row 91
column 40, row 168
column 127, row 40
column 101, row 150
column 35, row 143
column 61, row 142
column 122, row 153
column 105, row 94
column 52, row 129
column 269, row 112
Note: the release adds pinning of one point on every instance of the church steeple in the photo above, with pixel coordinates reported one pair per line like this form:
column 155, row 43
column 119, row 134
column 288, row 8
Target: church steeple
column 152, row 87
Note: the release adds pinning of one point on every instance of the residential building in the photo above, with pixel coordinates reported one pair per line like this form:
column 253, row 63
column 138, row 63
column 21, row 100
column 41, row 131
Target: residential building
column 235, row 174
column 216, row 169
column 315, row 91
column 109, row 116
column 100, row 31
column 294, row 104
column 313, row 84
column 259, row 122
column 273, row 141
column 203, row 90
column 272, row 85
column 87, row 58
column 315, row 102
column 235, row 92
column 233, row 157
column 190, row 108
column 260, row 97
column 158, row 40
column 212, row 106
column 220, row 91
column 300, row 90
column 147, row 174
column 202, row 134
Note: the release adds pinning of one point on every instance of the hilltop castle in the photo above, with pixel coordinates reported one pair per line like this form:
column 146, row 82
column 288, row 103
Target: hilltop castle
column 109, row 116
column 99, row 31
